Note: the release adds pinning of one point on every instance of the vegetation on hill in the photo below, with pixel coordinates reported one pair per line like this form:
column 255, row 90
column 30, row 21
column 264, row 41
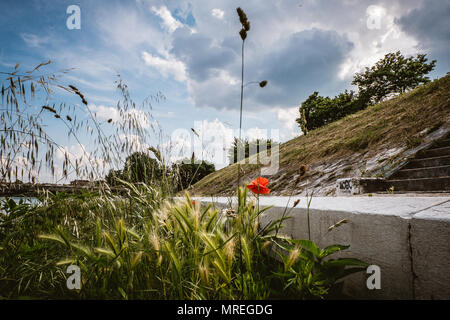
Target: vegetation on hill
column 249, row 147
column 189, row 171
column 401, row 122
column 392, row 75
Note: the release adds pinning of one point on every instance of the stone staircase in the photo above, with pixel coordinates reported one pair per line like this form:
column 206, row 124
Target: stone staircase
column 428, row 171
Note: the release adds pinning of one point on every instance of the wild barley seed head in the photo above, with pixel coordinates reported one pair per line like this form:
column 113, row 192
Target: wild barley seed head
column 266, row 244
column 49, row 109
column 293, row 256
column 204, row 272
column 73, row 87
column 229, row 250
column 154, row 239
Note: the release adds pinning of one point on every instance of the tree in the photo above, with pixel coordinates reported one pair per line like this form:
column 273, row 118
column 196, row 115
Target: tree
column 392, row 75
column 308, row 109
column 317, row 111
column 140, row 167
column 188, row 172
column 112, row 175
column 247, row 146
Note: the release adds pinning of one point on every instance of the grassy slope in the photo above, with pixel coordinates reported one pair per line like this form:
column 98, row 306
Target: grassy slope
column 400, row 122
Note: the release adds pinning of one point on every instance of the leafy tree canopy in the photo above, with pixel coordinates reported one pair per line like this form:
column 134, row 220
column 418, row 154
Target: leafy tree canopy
column 138, row 167
column 189, row 171
column 392, row 75
column 317, row 111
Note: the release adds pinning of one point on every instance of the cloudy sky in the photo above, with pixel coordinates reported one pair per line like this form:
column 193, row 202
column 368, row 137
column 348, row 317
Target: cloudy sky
column 190, row 52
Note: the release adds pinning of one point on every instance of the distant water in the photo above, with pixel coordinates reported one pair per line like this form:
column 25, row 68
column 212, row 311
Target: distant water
column 26, row 199
column 32, row 200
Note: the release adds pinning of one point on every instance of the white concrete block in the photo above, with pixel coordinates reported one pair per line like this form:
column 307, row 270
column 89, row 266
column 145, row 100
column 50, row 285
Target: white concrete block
column 430, row 241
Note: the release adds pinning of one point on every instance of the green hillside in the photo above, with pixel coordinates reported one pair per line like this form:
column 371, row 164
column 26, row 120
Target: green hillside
column 347, row 147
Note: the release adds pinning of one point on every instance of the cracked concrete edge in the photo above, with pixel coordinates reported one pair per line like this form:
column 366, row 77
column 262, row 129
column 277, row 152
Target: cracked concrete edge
column 430, row 252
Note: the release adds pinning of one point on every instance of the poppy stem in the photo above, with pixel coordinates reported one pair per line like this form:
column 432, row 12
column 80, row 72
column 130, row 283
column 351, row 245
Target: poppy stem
column 239, row 163
column 257, row 199
column 240, row 115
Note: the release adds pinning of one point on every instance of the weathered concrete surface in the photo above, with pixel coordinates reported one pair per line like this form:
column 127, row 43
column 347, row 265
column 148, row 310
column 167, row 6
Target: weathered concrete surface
column 407, row 237
column 430, row 243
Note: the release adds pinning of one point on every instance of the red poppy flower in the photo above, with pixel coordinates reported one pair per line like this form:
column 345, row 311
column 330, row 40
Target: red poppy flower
column 259, row 186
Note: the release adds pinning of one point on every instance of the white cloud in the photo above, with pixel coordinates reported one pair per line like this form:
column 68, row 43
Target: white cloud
column 128, row 29
column 167, row 67
column 76, row 151
column 104, row 113
column 168, row 22
column 217, row 13
column 210, row 143
column 135, row 141
column 378, row 36
column 226, row 77
column 179, row 146
column 102, row 85
column 33, row 40
column 88, row 162
column 255, row 133
column 289, row 127
column 215, row 138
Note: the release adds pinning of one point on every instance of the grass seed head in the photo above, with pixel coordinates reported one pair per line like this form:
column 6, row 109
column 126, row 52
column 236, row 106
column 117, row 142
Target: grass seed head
column 293, row 256
column 243, row 34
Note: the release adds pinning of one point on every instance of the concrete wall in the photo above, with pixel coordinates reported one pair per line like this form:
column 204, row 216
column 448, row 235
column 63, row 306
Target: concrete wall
column 430, row 243
column 407, row 237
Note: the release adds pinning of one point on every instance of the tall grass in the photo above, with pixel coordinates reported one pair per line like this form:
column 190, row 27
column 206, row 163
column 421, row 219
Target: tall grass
column 156, row 248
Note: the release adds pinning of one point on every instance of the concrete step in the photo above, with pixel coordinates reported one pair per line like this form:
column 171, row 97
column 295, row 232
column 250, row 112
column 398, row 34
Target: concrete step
column 428, row 162
column 417, row 173
column 424, row 184
column 434, row 152
column 442, row 143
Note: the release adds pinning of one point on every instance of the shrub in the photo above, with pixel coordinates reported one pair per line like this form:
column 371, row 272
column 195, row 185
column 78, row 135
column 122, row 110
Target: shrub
column 317, row 111
column 189, row 171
